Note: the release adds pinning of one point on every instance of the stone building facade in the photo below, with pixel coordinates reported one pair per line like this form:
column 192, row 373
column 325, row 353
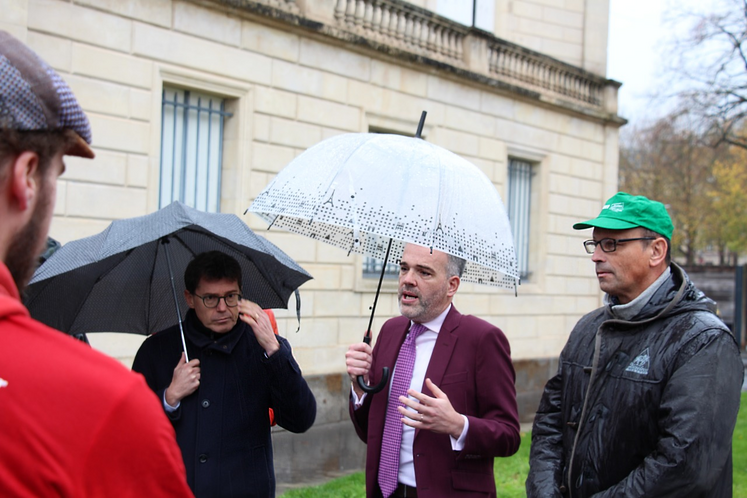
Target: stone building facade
column 289, row 73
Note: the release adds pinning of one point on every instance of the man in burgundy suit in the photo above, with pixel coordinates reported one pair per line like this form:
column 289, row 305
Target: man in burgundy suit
column 460, row 409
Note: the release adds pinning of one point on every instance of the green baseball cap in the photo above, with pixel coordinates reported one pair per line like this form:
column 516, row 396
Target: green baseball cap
column 623, row 211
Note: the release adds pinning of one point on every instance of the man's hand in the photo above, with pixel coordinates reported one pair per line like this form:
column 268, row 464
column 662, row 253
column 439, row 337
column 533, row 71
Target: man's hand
column 358, row 362
column 185, row 381
column 251, row 314
column 433, row 414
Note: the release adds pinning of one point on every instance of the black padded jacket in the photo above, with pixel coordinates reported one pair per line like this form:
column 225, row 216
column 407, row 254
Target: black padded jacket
column 645, row 407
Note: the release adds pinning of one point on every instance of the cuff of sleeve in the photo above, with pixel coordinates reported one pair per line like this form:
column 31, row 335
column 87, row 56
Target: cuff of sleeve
column 458, row 444
column 283, row 352
column 357, row 403
column 168, row 407
column 281, row 360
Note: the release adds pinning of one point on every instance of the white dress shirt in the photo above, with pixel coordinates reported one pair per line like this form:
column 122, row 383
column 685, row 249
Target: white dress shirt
column 424, row 345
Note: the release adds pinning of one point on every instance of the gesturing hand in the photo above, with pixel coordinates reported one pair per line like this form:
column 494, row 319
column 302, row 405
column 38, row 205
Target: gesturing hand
column 185, row 381
column 433, row 414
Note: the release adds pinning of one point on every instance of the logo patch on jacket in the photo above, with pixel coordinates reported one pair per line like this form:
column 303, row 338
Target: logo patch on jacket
column 640, row 363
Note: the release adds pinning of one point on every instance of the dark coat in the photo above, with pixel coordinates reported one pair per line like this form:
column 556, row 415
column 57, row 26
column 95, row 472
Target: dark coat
column 641, row 408
column 471, row 363
column 223, row 428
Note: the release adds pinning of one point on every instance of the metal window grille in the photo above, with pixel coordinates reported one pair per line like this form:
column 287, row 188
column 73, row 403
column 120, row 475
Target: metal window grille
column 519, row 204
column 191, row 149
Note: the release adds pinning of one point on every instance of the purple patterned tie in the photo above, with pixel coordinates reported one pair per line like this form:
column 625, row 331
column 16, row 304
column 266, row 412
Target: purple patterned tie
column 389, row 461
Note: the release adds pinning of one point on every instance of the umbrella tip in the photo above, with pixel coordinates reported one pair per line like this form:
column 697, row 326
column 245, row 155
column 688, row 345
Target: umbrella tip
column 420, row 125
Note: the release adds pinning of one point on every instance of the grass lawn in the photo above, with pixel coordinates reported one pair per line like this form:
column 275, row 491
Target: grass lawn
column 510, row 473
column 739, row 450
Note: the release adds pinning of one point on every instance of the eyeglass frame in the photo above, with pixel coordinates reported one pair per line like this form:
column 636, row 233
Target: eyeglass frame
column 219, row 298
column 599, row 242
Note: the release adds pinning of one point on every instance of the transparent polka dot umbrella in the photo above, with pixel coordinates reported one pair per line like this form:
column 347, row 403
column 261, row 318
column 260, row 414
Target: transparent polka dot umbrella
column 364, row 191
column 356, row 191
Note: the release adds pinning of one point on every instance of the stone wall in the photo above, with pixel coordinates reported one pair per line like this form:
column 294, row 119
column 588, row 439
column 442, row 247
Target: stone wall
column 329, row 449
column 574, row 31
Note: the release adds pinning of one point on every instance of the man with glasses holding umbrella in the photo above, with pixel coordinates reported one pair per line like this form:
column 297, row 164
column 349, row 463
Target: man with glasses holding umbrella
column 73, row 422
column 218, row 400
column 647, row 391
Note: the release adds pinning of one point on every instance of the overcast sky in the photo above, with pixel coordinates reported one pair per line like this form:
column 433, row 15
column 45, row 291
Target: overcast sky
column 632, row 55
column 638, row 38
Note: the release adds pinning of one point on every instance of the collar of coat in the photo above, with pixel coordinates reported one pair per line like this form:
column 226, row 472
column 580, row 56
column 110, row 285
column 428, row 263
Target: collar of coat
column 204, row 338
column 676, row 295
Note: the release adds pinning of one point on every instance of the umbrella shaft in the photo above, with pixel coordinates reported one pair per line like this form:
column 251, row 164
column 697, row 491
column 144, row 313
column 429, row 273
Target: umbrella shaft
column 367, row 337
column 165, row 244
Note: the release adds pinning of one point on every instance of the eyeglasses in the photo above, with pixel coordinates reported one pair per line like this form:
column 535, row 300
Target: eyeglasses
column 609, row 245
column 211, row 301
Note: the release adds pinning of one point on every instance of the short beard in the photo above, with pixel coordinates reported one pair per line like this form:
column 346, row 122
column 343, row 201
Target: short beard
column 23, row 254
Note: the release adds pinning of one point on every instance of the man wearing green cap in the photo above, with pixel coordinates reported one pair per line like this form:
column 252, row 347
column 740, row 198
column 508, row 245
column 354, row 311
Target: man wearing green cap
column 647, row 391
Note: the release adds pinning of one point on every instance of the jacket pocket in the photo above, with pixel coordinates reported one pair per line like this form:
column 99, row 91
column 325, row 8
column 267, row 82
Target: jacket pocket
column 454, row 378
column 455, row 387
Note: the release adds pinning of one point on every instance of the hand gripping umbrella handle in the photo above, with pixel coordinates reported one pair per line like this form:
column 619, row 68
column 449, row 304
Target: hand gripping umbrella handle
column 384, row 375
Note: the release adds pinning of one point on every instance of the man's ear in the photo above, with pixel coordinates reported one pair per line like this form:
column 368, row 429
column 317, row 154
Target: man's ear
column 24, row 183
column 189, row 298
column 454, row 282
column 658, row 251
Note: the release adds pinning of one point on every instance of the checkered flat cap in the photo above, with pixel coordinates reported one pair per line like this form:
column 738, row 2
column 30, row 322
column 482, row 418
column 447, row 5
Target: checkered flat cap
column 33, row 97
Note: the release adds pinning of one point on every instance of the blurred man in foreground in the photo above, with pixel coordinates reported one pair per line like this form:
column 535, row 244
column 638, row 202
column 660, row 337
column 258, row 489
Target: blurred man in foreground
column 73, row 421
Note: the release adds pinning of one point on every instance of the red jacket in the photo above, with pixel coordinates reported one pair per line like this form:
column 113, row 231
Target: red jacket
column 74, row 421
column 471, row 363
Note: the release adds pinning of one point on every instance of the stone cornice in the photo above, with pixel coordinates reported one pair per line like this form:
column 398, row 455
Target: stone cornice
column 403, row 31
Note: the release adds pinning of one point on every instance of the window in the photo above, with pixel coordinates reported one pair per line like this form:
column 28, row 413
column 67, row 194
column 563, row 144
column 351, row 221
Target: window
column 477, row 13
column 519, row 208
column 191, row 149
column 372, row 268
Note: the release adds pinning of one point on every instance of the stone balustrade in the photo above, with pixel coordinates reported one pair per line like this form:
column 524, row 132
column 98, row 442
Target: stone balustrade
column 404, row 29
column 544, row 73
column 403, row 26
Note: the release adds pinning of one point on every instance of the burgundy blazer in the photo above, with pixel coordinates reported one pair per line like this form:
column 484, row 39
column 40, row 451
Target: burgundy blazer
column 471, row 363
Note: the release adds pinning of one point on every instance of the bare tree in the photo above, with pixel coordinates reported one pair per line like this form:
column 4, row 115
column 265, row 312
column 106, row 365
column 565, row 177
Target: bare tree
column 711, row 63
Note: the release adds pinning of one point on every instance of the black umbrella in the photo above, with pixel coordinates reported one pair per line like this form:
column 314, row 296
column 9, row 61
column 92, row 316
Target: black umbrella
column 128, row 278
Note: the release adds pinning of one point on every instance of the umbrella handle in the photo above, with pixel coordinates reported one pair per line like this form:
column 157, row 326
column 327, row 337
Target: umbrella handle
column 378, row 387
column 384, row 375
